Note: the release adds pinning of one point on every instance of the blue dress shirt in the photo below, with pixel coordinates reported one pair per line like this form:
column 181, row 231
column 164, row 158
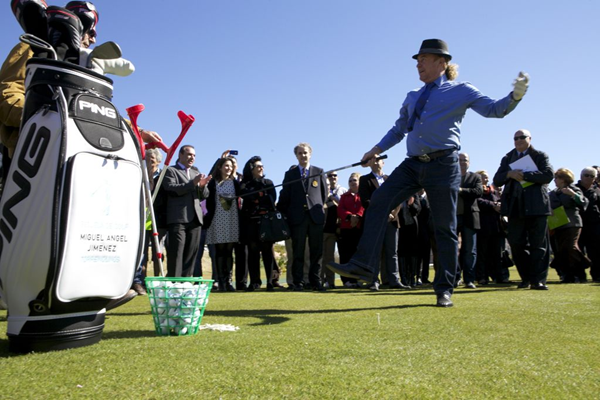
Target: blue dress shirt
column 439, row 125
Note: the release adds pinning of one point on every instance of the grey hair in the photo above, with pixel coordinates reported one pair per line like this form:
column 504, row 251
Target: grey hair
column 590, row 170
column 156, row 153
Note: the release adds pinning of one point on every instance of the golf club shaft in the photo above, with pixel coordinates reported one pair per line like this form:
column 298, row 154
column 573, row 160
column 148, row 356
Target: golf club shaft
column 382, row 157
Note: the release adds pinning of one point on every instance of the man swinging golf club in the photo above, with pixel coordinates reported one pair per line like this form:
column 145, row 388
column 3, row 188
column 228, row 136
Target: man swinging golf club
column 430, row 118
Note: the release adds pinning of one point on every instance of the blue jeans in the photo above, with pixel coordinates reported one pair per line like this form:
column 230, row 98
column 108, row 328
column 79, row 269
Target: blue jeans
column 441, row 179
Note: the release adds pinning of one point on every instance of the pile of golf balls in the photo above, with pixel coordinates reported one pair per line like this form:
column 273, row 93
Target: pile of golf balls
column 176, row 305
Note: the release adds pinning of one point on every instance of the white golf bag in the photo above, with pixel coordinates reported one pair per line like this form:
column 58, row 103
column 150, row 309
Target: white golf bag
column 72, row 210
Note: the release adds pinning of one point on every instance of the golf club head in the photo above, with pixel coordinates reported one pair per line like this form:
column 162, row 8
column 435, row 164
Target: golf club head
column 106, row 51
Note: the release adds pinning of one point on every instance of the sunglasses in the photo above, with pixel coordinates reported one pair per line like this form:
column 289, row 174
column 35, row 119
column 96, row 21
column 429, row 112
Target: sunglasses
column 522, row 137
column 258, row 166
column 332, row 176
column 588, row 176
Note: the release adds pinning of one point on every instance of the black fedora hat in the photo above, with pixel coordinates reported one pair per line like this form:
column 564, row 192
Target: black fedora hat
column 434, row 46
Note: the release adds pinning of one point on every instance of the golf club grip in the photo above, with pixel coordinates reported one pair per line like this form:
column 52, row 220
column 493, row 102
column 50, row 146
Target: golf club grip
column 186, row 123
column 382, row 157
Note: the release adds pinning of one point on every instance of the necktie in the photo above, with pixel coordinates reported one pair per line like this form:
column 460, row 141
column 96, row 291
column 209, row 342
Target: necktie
column 304, row 176
column 520, row 155
column 420, row 105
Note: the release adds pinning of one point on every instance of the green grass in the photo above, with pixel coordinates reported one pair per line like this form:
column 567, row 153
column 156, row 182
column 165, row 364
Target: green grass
column 498, row 342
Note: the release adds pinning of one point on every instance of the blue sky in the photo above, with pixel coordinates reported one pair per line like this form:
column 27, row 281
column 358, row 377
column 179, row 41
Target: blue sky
column 260, row 76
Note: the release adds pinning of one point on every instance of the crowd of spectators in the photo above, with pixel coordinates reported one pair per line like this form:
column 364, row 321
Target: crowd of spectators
column 498, row 224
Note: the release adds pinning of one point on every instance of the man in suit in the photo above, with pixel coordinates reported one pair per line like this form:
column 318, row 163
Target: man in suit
column 526, row 203
column 186, row 187
column 467, row 218
column 389, row 269
column 301, row 199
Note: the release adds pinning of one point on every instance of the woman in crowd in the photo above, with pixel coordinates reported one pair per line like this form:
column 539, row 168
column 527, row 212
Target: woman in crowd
column 408, row 241
column 350, row 211
column 222, row 219
column 259, row 198
column 568, row 258
column 490, row 238
column 153, row 160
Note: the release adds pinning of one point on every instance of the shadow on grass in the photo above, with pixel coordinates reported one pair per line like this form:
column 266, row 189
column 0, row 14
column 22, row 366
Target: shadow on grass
column 111, row 335
column 275, row 316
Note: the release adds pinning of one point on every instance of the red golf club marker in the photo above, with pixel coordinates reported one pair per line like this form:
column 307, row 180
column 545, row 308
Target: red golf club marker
column 134, row 112
column 186, row 123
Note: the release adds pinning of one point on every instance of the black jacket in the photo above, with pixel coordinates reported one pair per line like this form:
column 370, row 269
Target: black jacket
column 527, row 201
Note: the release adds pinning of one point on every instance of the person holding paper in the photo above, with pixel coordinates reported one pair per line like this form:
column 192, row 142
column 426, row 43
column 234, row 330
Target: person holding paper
column 568, row 257
column 526, row 203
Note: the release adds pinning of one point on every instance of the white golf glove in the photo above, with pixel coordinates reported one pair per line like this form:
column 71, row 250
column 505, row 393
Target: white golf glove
column 520, row 84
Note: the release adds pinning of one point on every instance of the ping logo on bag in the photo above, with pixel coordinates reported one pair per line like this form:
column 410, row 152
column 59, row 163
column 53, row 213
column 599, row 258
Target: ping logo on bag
column 29, row 162
column 96, row 109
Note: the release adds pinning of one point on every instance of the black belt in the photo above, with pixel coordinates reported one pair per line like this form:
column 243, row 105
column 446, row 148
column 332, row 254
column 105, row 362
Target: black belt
column 432, row 156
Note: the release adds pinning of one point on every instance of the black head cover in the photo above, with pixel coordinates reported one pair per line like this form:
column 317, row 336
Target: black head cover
column 64, row 33
column 31, row 15
column 87, row 13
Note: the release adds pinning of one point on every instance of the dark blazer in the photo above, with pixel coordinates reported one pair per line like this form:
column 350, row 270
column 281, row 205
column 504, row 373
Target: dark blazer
column 183, row 200
column 211, row 204
column 489, row 218
column 367, row 184
column 534, row 198
column 294, row 200
column 471, row 190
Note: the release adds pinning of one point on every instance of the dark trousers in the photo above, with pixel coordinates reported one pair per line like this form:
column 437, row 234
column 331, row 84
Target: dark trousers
column 315, row 246
column 256, row 248
column 529, row 243
column 349, row 239
column 590, row 243
column 241, row 266
column 489, row 257
column 569, row 257
column 184, row 240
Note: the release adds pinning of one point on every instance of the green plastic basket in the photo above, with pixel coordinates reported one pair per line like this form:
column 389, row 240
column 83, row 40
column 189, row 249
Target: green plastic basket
column 177, row 304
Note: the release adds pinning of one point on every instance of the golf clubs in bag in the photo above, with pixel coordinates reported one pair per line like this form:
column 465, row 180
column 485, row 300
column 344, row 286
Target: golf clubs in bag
column 72, row 210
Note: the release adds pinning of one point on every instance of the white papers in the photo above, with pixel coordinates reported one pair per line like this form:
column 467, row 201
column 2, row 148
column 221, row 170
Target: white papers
column 525, row 164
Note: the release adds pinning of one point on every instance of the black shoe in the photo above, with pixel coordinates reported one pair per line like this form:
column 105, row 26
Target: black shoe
column 539, row 286
column 229, row 287
column 240, row 286
column 523, row 285
column 399, row 285
column 351, row 271
column 121, row 300
column 298, row 288
column 250, row 288
column 318, row 288
column 270, row 287
column 443, row 300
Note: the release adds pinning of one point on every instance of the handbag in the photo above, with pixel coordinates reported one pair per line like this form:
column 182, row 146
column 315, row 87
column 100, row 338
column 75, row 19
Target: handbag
column 273, row 227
